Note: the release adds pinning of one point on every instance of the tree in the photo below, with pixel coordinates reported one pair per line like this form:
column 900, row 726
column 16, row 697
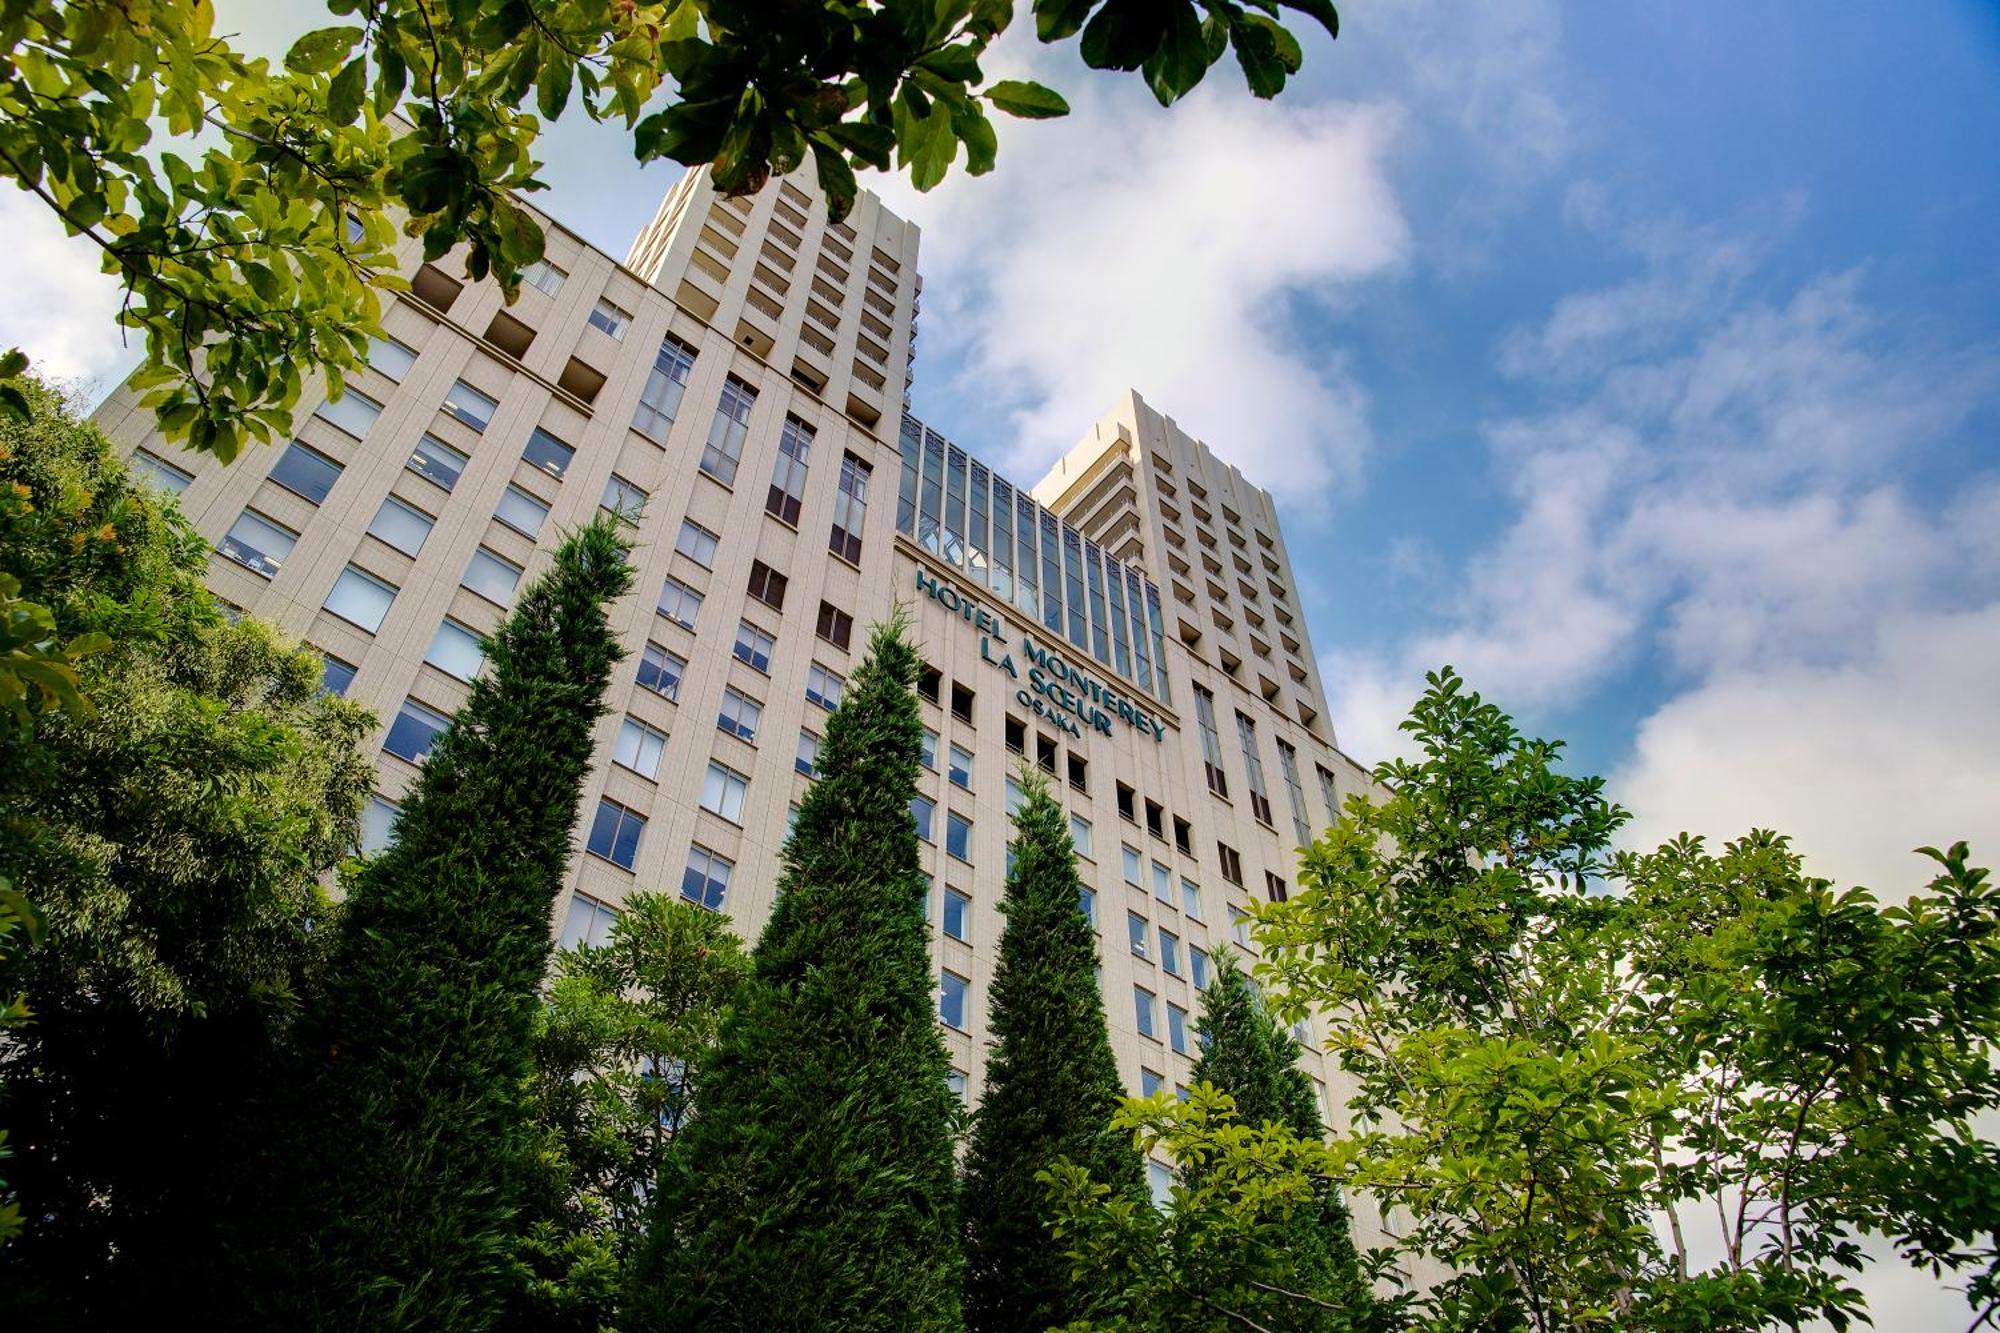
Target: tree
column 417, row 1135
column 816, row 1187
column 619, row 1052
column 173, row 829
column 252, row 261
column 1051, row 1088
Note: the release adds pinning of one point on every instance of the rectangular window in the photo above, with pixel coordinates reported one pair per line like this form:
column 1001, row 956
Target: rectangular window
column 754, row 646
column 258, row 544
column 1163, row 884
column 722, row 792
column 767, row 585
column 159, row 473
column 1134, row 866
column 305, row 472
column 401, row 526
column 354, row 412
column 335, row 675
column 1160, row 1184
column 1198, row 967
column 823, row 687
column 1329, row 793
column 1170, row 952
column 850, row 509
column 1211, row 742
column 1177, row 1036
column 1135, row 934
column 1015, row 797
column 469, row 405
column 1191, row 900
column 834, row 625
column 788, row 476
column 615, row 833
column 1079, row 836
column 661, row 398
column 543, row 277
column 1184, row 836
column 608, row 319
column 1239, row 926
column 1086, row 902
column 951, row 999
column 956, row 1079
column 1232, row 864
column 705, row 882
column 660, row 671
column 624, row 499
column 1253, row 770
column 958, row 836
column 455, row 650
column 1128, row 806
column 434, row 460
column 1150, row 1081
column 927, row 749
column 696, row 543
column 491, row 577
column 957, row 915
column 639, row 748
column 548, row 453
column 1079, row 772
column 360, row 599
column 588, row 922
column 929, row 681
column 1274, row 888
column 1288, row 767
column 960, row 768
column 679, row 603
column 739, row 715
column 378, row 825
column 961, row 702
column 1142, row 1012
column 806, row 759
column 727, row 432
column 522, row 512
column 414, row 731
column 922, row 811
column 390, row 357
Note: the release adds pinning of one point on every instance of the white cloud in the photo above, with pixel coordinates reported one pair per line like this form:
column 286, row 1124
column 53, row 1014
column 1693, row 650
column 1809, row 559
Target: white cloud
column 59, row 306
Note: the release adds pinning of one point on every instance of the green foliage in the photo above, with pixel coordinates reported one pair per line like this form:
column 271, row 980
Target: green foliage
column 172, row 837
column 1579, row 1072
column 231, row 231
column 1051, row 1089
column 816, row 1187
column 417, row 1139
column 618, row 1060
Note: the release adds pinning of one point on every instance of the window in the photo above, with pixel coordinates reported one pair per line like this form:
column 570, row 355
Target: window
column 957, row 915
column 258, row 544
column 1156, row 815
column 1079, row 772
column 1253, row 769
column 929, row 681
column 1160, row 1184
column 661, row 398
column 1190, row 900
column 1274, row 888
column 543, row 277
column 335, row 675
column 159, row 473
column 469, row 405
column 958, row 836
column 1045, row 753
column 754, row 646
column 1177, row 1027
column 588, row 922
column 437, row 461
column 1134, row 865
column 414, row 731
column 1015, row 797
column 696, row 543
column 522, row 512
column 1142, row 1010
column 722, row 792
column 1288, row 767
column 767, row 585
column 660, row 671
column 927, row 749
column 922, row 809
column 706, row 879
column 390, row 357
column 609, row 319
column 956, row 1080
column 1135, row 932
column 788, row 476
column 1184, row 836
column 1086, row 902
column 823, row 687
column 835, row 625
column 455, row 651
column 614, row 834
column 961, row 702
column 740, row 715
column 548, row 453
column 378, row 825
column 1079, row 836
column 959, row 770
column 850, row 510
column 360, row 599
column 624, row 499
column 727, row 432
column 1170, row 952
column 951, row 999
column 1016, row 736
column 1232, row 864
column 1128, row 807
column 1211, row 743
column 1198, row 967
column 1150, row 1081
column 1239, row 926
column 679, row 603
column 1163, row 884
column 304, row 472
column 354, row 412
column 401, row 526
column 491, row 577
column 639, row 748
column 806, row 759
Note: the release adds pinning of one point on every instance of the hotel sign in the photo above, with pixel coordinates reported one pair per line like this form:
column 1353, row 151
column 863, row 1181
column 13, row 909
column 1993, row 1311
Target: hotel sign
column 1064, row 695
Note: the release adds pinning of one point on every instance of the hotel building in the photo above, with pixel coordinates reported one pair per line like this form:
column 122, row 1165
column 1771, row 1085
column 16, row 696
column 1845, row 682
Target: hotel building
column 737, row 390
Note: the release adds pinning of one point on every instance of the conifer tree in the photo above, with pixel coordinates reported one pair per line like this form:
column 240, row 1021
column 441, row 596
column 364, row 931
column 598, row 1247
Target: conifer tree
column 415, row 1110
column 815, row 1186
column 1051, row 1089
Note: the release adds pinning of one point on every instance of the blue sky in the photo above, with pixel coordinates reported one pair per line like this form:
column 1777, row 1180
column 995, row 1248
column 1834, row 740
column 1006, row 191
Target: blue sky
column 1641, row 361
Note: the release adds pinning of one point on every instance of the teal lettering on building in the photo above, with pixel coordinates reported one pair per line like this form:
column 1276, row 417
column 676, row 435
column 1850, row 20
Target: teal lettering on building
column 1055, row 689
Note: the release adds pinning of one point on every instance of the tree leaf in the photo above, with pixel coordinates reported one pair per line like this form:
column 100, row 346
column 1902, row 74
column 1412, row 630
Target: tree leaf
column 343, row 98
column 1030, row 101
column 321, row 50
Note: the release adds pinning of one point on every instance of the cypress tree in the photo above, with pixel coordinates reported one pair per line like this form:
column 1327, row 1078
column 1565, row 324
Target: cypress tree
column 417, row 1130
column 815, row 1186
column 1051, row 1088
column 1246, row 1054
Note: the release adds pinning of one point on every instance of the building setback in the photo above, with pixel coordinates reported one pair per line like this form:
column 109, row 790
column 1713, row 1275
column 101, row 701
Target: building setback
column 738, row 390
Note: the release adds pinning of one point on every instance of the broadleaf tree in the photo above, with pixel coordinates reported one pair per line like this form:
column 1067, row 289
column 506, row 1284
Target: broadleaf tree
column 245, row 205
